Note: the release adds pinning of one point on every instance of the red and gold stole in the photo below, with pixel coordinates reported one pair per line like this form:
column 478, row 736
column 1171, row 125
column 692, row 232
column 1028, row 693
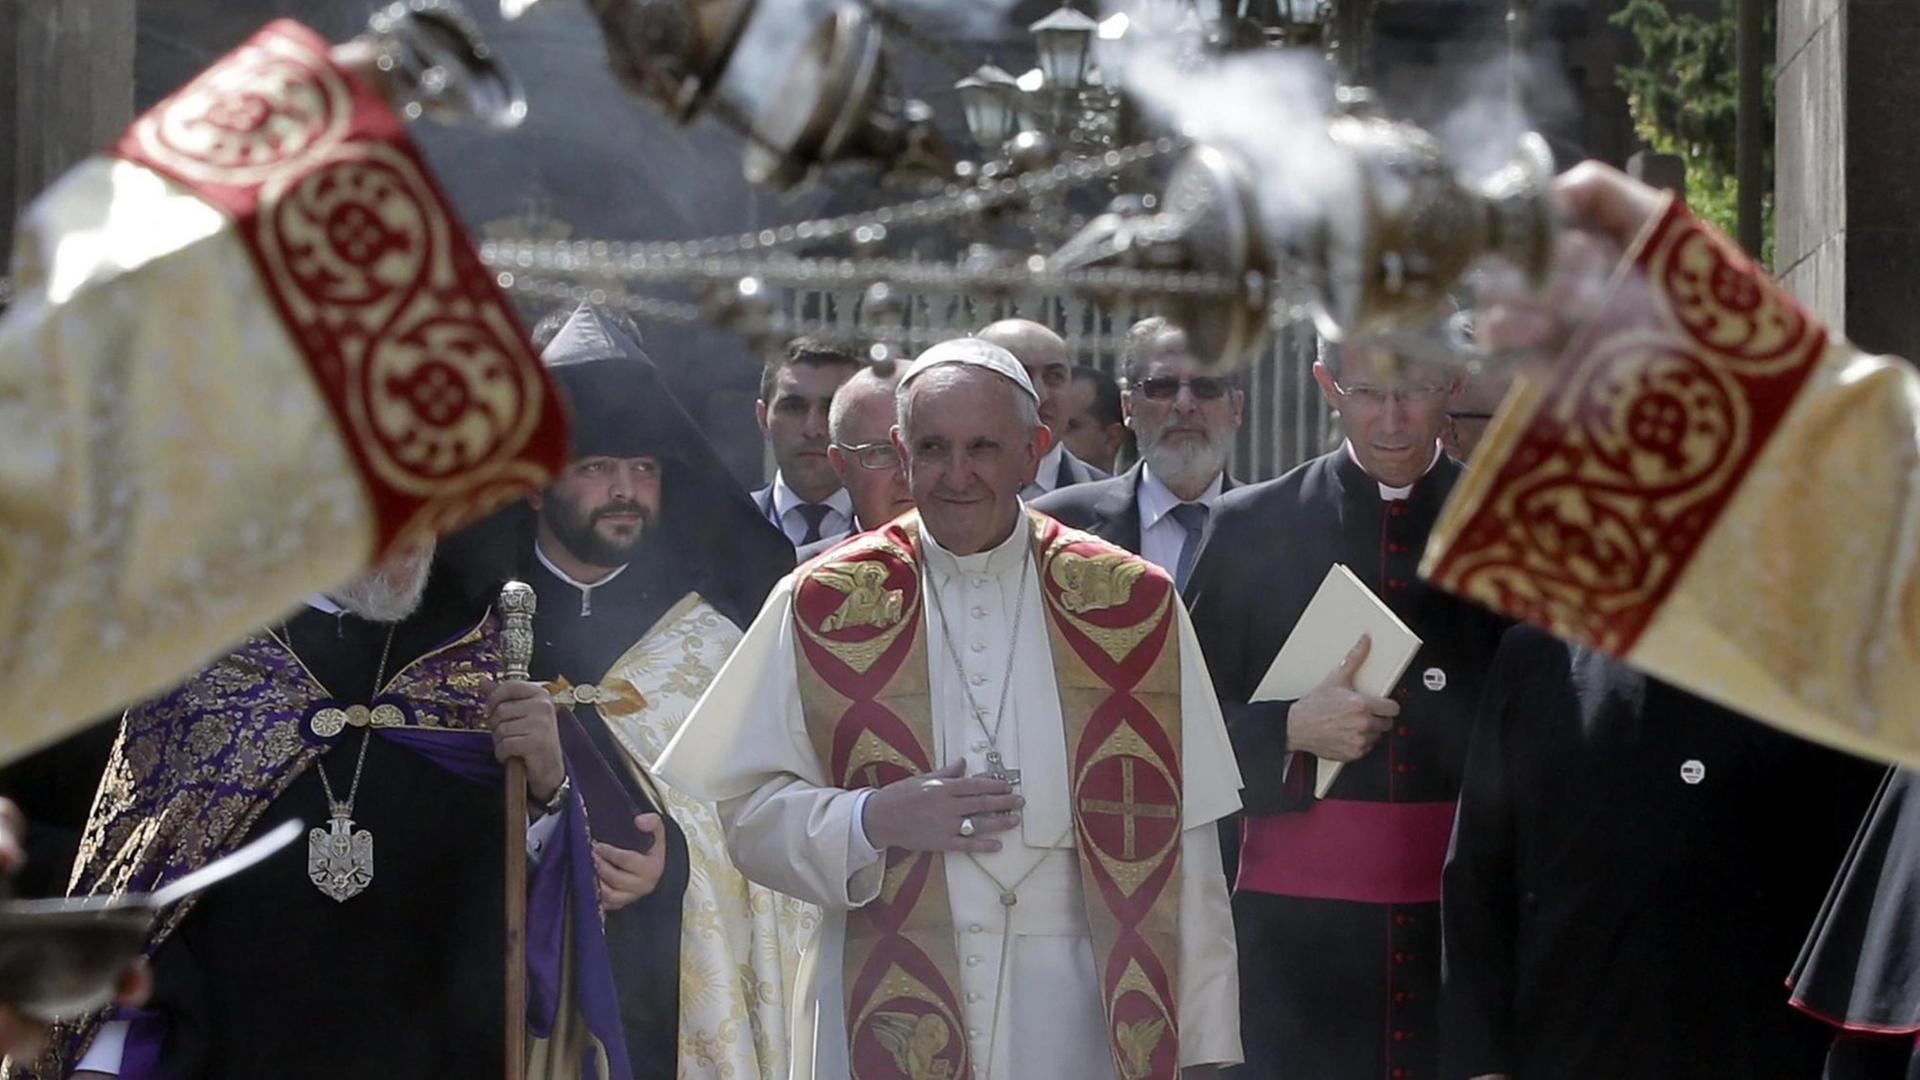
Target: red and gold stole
column 864, row 689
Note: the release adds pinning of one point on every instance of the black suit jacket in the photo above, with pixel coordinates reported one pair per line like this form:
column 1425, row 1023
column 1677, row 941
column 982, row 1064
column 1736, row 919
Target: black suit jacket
column 763, row 498
column 1109, row 509
column 1267, row 548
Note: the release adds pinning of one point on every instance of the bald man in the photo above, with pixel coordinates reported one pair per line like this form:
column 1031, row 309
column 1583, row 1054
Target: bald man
column 1049, row 366
column 859, row 427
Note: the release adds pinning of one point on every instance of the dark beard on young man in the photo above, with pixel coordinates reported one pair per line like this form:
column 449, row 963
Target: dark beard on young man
column 576, row 531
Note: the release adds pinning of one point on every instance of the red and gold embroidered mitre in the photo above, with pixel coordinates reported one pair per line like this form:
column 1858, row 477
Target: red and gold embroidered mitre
column 252, row 351
column 1113, row 635
column 1714, row 488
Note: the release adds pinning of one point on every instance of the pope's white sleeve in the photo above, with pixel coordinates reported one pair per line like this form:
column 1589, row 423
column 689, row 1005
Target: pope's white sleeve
column 1212, row 777
column 1209, row 964
column 806, row 841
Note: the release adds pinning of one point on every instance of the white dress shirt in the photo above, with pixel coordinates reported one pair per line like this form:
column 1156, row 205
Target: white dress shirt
column 786, row 512
column 1048, row 476
column 1395, row 494
column 746, row 747
column 1161, row 536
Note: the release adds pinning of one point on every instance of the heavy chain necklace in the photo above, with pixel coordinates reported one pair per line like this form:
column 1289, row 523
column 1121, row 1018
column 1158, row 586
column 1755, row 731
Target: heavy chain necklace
column 340, row 857
column 996, row 765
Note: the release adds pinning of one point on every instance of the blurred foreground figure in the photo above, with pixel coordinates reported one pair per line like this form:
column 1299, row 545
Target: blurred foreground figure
column 986, row 745
column 256, row 291
column 1631, row 874
column 377, row 948
column 1704, row 481
column 647, row 559
column 1860, row 970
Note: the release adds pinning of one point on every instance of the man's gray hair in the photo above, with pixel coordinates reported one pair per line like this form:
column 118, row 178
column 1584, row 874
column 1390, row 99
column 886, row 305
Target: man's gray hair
column 1147, row 339
column 1025, row 408
column 871, row 376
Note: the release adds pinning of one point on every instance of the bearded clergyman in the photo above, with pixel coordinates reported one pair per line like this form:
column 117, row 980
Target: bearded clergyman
column 647, row 560
column 987, row 746
column 1184, row 420
column 379, row 715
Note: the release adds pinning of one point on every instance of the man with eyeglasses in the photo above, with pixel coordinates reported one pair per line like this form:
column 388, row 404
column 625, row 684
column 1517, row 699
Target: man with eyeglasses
column 862, row 453
column 1049, row 367
column 1185, row 423
column 1336, row 901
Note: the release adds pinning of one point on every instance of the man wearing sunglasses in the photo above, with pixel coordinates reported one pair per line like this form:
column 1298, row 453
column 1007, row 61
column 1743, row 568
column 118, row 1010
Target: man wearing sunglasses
column 1336, row 901
column 1185, row 423
column 862, row 453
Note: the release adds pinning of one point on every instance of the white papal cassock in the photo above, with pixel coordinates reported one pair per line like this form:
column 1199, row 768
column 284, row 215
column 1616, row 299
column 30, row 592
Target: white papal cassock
column 746, row 747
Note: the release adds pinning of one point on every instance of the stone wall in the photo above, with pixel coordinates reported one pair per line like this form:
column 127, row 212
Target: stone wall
column 1848, row 166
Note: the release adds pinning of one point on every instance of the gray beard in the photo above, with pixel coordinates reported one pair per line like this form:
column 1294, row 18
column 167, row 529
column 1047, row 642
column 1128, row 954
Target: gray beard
column 1187, row 464
column 373, row 598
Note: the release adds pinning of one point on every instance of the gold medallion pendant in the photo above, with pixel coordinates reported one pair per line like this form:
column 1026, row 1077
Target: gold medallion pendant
column 340, row 857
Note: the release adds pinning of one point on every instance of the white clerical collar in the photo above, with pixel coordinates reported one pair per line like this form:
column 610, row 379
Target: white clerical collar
column 1006, row 557
column 586, row 590
column 1157, row 500
column 1049, row 474
column 1395, row 494
column 784, row 499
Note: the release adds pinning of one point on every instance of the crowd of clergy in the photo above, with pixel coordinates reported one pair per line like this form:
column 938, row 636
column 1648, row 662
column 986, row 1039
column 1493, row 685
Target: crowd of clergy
column 797, row 799
column 950, row 753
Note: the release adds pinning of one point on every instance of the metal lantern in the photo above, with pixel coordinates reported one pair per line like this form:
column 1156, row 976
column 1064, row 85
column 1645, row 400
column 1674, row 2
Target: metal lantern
column 987, row 97
column 1065, row 43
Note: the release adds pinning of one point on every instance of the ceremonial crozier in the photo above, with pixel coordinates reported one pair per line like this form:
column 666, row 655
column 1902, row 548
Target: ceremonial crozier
column 865, row 694
column 195, row 769
column 740, row 943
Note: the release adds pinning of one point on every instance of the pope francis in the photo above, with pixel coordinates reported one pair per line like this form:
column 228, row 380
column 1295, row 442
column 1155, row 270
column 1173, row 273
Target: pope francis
column 986, row 745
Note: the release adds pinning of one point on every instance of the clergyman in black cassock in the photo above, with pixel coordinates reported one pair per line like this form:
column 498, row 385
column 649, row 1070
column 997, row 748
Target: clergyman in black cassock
column 640, row 544
column 1632, row 871
column 1859, row 971
column 1336, row 900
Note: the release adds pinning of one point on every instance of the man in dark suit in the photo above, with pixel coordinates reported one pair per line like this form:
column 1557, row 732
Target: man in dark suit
column 862, row 452
column 804, row 499
column 1185, row 421
column 1049, row 366
column 1096, row 424
column 1336, row 900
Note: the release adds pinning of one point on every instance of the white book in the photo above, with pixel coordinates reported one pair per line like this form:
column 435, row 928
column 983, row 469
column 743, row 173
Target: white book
column 1341, row 610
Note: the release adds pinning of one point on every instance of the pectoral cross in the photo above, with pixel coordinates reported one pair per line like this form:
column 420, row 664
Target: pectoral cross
column 997, row 769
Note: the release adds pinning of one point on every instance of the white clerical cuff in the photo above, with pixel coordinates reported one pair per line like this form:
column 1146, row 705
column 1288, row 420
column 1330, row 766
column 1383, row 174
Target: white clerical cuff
column 866, row 864
column 539, row 833
column 108, row 1049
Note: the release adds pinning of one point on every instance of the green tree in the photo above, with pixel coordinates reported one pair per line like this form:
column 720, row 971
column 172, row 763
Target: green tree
column 1684, row 98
